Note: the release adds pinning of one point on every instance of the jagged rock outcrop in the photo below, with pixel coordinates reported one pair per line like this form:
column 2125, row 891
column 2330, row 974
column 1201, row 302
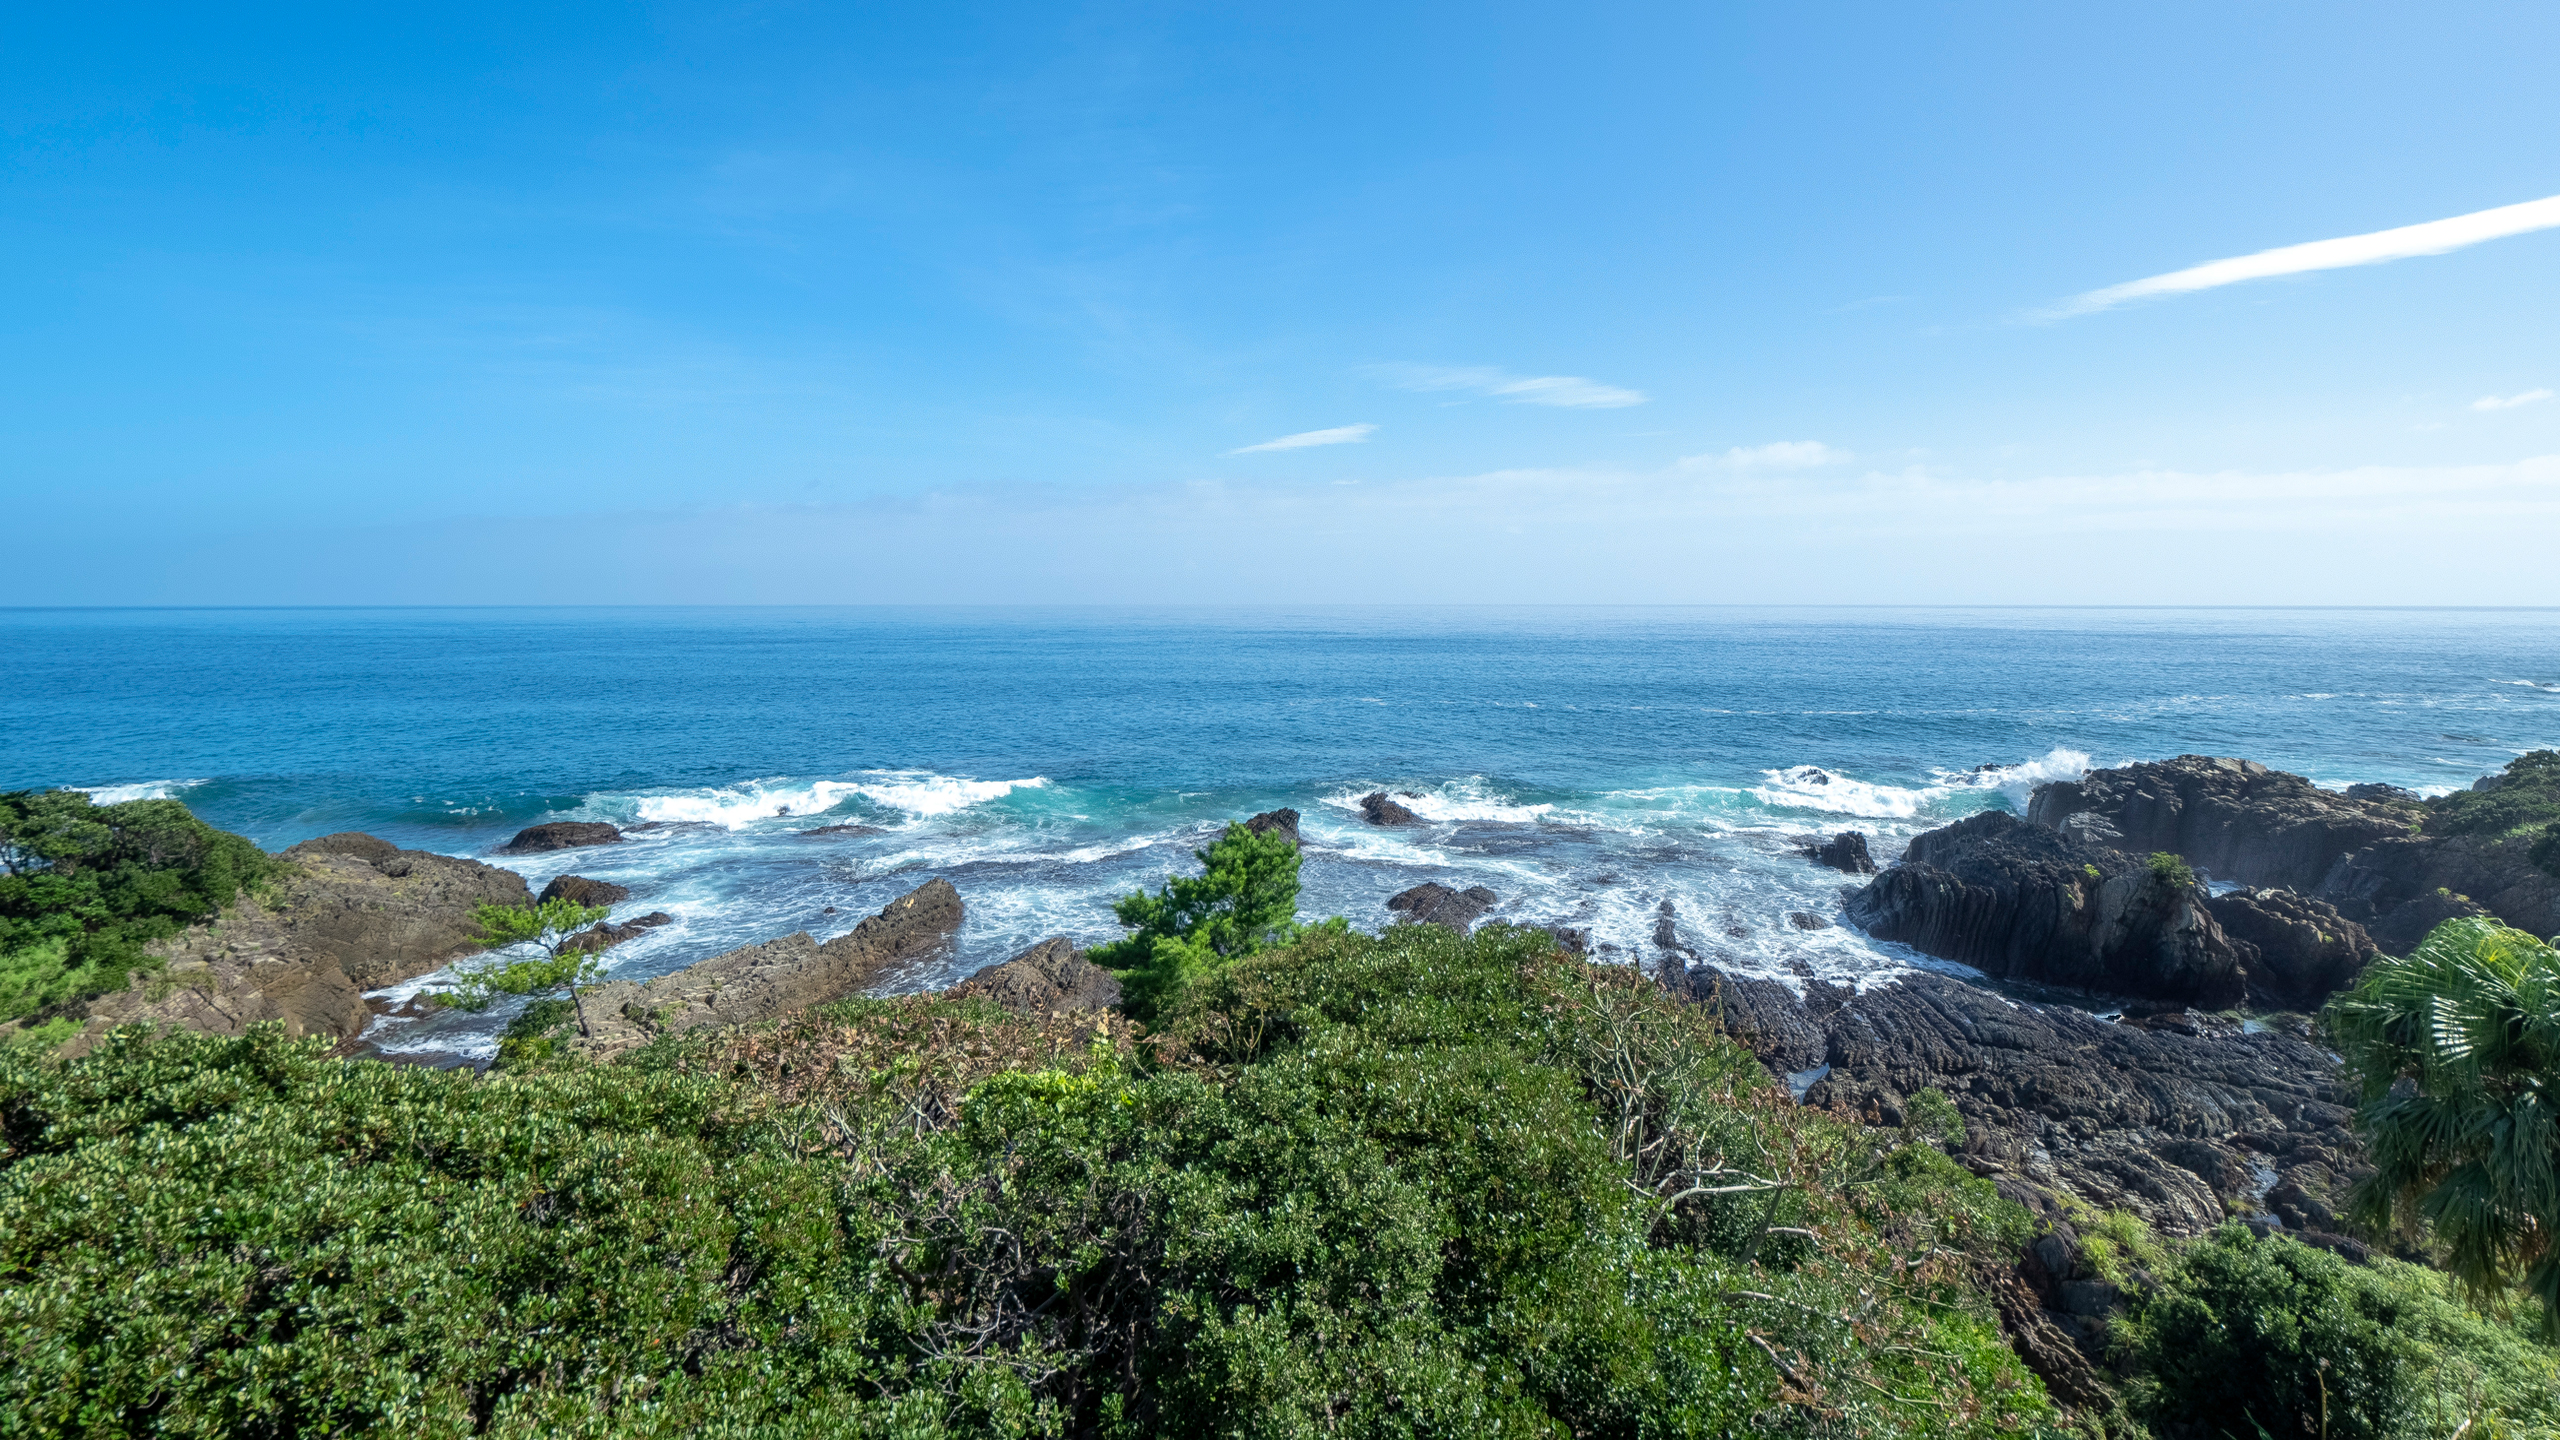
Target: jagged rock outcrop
column 1051, row 976
column 759, row 982
column 1846, row 851
column 1285, row 822
column 608, row 935
column 2021, row 901
column 350, row 913
column 2296, row 951
column 560, row 835
column 579, row 890
column 2179, row 1129
column 2237, row 820
column 2401, row 888
column 1379, row 810
column 1432, row 903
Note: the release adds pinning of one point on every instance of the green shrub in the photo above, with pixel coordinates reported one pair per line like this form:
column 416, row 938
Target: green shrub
column 84, row 887
column 2527, row 799
column 2170, row 872
column 1244, row 901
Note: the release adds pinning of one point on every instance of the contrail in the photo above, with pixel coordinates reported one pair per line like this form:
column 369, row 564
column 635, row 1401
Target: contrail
column 2432, row 238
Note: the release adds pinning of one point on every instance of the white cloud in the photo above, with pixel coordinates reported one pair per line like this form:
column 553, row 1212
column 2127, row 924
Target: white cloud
column 1569, row 391
column 1777, row 455
column 2509, row 402
column 2435, row 237
column 1338, row 435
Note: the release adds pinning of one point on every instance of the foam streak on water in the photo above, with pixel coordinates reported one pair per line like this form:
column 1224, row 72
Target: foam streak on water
column 1591, row 767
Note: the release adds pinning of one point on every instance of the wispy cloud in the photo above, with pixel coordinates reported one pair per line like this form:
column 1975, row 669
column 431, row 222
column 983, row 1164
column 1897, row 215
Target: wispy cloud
column 1777, row 455
column 1569, row 391
column 1338, row 435
column 2509, row 402
column 2436, row 237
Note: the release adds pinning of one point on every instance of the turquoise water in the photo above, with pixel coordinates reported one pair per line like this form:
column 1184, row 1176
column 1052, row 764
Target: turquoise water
column 1587, row 764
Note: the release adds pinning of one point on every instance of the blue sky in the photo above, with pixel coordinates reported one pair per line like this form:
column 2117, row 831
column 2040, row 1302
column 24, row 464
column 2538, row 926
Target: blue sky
column 766, row 302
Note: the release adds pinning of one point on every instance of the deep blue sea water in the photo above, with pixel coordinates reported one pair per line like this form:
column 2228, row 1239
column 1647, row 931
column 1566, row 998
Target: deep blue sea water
column 1588, row 764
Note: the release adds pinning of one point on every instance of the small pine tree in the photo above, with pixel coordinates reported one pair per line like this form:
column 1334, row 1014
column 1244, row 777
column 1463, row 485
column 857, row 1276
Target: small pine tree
column 549, row 927
column 1246, row 900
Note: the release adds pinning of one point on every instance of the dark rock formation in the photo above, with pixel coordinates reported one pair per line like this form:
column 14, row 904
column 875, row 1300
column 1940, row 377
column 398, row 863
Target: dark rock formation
column 608, row 935
column 560, row 835
column 2297, row 951
column 1283, row 821
column 2391, row 794
column 350, row 913
column 579, row 890
column 1572, row 940
column 1382, row 811
column 2021, row 901
column 2401, row 888
column 1432, row 903
column 1807, row 920
column 2235, row 819
column 1845, row 851
column 1050, row 976
column 843, row 830
column 759, row 982
column 2178, row 1129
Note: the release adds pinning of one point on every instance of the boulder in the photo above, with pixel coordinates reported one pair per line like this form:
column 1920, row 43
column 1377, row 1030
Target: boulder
column 2297, row 951
column 1432, row 903
column 560, row 835
column 1285, row 822
column 1380, row 810
column 759, row 982
column 1051, row 976
column 2021, row 901
column 2237, row 820
column 579, row 890
column 1846, row 851
column 349, row 913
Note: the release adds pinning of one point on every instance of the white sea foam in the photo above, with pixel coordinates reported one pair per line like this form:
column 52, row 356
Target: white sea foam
column 1469, row 798
column 2018, row 782
column 919, row 793
column 146, row 790
column 1810, row 787
column 2551, row 687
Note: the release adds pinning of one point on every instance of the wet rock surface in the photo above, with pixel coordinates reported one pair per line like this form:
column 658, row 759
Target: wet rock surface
column 1051, row 976
column 1846, row 851
column 2235, row 819
column 560, row 835
column 579, row 890
column 2022, row 901
column 607, row 935
column 1432, row 903
column 759, row 982
column 1281, row 822
column 351, row 913
column 1379, row 810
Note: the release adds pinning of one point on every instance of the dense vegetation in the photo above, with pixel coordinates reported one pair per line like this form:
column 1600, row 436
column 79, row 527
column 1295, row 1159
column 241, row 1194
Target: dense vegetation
column 1243, row 901
column 2522, row 809
column 84, row 887
column 1401, row 1185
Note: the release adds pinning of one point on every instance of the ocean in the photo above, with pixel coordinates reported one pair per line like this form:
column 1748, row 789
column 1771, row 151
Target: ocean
column 1588, row 765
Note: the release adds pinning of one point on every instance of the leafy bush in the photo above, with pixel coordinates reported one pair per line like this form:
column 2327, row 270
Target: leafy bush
column 2526, row 799
column 1393, row 1186
column 2170, row 872
column 87, row 886
column 2251, row 1336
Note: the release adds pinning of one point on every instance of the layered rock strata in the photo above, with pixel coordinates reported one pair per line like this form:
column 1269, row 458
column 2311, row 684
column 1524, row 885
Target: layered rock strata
column 2236, row 820
column 1049, row 978
column 759, row 982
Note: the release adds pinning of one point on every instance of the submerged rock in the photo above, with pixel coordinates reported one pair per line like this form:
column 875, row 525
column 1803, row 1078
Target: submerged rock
column 1432, row 903
column 759, row 982
column 560, row 835
column 1051, row 976
column 2020, row 901
column 2235, row 819
column 848, row 830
